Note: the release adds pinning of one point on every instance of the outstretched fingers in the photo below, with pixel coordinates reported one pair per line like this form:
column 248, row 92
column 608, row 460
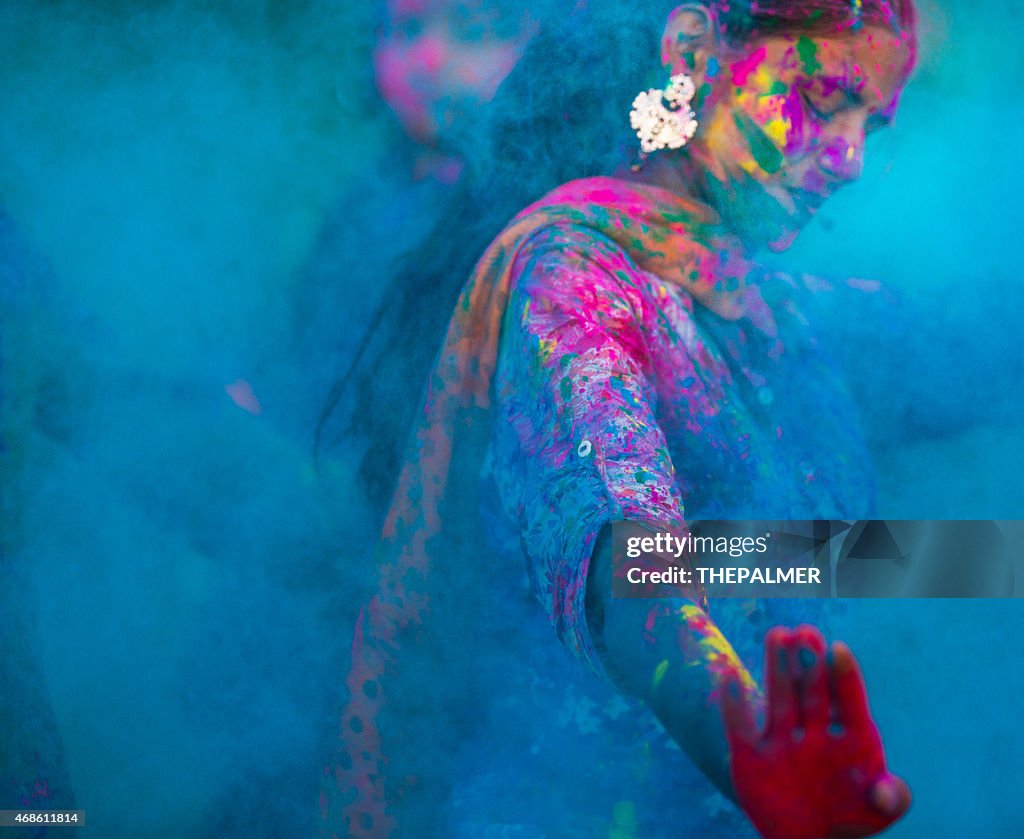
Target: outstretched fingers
column 815, row 705
column 850, row 695
column 782, row 716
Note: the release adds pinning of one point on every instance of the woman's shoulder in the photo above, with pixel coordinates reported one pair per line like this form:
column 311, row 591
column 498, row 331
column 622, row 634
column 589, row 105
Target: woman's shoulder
column 567, row 255
column 570, row 240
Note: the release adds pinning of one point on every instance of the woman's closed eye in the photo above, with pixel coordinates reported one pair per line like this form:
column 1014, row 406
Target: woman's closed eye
column 824, row 106
column 818, row 110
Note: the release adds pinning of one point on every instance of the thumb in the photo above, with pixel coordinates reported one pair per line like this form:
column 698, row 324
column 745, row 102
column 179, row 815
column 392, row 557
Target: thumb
column 890, row 796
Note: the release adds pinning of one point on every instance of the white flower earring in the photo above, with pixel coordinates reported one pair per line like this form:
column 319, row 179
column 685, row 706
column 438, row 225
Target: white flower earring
column 665, row 126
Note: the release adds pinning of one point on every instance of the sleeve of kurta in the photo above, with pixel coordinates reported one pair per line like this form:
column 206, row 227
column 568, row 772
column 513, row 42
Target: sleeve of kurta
column 576, row 443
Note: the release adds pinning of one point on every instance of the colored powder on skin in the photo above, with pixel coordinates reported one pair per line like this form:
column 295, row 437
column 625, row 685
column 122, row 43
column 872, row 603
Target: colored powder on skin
column 713, row 67
column 714, row 650
column 793, row 114
column 808, row 52
column 765, row 153
column 778, row 129
column 741, row 70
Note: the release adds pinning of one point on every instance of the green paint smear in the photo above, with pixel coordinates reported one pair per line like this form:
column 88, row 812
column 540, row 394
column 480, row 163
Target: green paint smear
column 778, row 89
column 767, row 156
column 808, row 52
column 624, row 820
column 659, row 673
column 703, row 92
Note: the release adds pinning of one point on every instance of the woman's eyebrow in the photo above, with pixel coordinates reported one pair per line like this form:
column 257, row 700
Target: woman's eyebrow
column 855, row 85
column 849, row 81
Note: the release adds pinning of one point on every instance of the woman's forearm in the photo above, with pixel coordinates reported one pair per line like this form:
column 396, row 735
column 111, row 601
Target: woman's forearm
column 668, row 652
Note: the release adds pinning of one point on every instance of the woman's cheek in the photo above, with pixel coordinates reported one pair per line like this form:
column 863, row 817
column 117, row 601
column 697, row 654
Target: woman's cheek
column 776, row 121
column 800, row 127
column 762, row 133
column 728, row 145
column 406, row 78
column 768, row 123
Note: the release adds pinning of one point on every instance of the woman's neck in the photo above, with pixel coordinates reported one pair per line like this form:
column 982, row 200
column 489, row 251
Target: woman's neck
column 679, row 173
column 658, row 171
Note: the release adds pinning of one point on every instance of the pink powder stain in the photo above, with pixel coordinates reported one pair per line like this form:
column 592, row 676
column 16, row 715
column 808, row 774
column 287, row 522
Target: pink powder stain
column 869, row 286
column 429, row 55
column 602, row 195
column 241, row 393
column 652, row 619
column 741, row 70
column 409, row 77
column 447, row 170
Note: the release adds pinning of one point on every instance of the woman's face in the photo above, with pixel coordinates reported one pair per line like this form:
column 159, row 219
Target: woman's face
column 784, row 122
column 437, row 59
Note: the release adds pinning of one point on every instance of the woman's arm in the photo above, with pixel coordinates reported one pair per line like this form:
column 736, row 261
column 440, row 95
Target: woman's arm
column 577, row 445
column 817, row 767
column 669, row 653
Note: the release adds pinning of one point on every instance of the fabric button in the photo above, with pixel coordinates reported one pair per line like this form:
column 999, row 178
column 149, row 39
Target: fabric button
column 765, row 395
column 584, row 449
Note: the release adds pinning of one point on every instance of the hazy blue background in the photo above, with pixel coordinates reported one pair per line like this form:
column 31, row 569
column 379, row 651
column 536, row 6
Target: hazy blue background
column 167, row 169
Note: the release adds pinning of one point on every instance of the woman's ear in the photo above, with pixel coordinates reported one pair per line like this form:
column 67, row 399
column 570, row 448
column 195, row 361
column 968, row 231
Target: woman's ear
column 689, row 40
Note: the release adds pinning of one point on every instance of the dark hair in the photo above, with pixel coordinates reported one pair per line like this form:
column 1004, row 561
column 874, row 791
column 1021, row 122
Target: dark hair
column 560, row 115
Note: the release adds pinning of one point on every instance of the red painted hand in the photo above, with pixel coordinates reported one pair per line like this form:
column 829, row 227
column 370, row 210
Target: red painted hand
column 817, row 771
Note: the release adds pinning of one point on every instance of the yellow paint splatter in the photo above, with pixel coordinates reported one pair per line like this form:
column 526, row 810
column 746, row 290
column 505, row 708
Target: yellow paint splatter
column 713, row 650
column 777, row 130
column 547, row 347
column 749, row 165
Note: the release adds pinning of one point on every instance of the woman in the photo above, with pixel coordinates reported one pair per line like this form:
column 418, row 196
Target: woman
column 617, row 356
column 436, row 62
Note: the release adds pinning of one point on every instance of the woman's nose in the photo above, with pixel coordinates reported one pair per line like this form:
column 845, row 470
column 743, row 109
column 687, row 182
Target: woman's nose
column 843, row 157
